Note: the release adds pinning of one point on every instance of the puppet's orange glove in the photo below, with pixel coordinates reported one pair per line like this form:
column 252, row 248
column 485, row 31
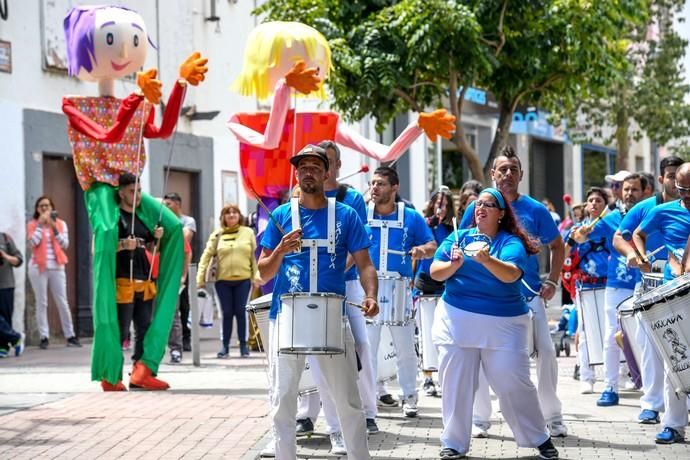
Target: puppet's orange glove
column 150, row 87
column 193, row 69
column 302, row 79
column 437, row 123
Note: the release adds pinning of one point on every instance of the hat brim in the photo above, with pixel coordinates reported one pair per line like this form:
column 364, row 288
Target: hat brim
column 297, row 158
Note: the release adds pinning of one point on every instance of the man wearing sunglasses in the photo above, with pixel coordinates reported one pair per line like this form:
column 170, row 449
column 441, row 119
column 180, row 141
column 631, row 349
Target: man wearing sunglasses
column 651, row 365
column 672, row 220
column 616, row 181
column 537, row 221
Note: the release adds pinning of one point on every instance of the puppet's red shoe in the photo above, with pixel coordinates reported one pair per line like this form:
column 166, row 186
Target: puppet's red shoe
column 142, row 379
column 107, row 386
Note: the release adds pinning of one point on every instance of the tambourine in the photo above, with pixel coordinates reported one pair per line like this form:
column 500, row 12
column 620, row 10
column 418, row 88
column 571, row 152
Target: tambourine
column 472, row 244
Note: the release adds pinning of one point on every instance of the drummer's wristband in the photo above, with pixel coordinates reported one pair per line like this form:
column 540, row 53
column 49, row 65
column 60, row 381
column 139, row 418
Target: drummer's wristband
column 571, row 242
column 551, row 283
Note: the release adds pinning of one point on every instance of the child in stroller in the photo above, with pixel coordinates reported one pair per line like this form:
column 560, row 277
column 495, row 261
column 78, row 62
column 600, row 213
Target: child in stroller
column 562, row 334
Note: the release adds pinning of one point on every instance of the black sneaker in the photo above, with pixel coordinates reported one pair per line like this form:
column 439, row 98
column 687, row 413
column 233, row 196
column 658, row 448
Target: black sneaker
column 372, row 427
column 175, row 357
column 72, row 342
column 387, row 401
column 450, row 454
column 429, row 387
column 44, row 343
column 186, row 345
column 305, row 427
column 547, row 451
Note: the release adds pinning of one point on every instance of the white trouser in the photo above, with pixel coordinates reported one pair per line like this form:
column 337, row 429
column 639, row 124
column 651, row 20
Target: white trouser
column 508, row 372
column 55, row 281
column 676, row 414
column 308, row 406
column 586, row 372
column 651, row 370
column 547, row 373
column 612, row 352
column 403, row 342
column 340, row 375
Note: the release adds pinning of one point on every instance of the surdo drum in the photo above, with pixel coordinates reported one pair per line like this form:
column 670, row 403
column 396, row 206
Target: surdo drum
column 665, row 315
column 395, row 301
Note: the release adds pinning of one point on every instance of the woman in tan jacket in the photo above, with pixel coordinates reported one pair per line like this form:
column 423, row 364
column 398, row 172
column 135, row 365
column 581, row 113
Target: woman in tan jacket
column 234, row 245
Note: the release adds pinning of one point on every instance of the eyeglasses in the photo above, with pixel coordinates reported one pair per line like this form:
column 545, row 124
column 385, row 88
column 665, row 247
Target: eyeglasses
column 616, row 185
column 682, row 189
column 485, row 204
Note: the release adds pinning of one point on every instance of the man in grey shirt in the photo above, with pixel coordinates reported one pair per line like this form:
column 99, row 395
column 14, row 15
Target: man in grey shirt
column 173, row 201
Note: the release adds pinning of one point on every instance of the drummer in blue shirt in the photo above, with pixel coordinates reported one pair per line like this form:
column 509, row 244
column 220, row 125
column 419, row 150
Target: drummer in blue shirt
column 672, row 220
column 651, row 367
column 285, row 257
column 538, row 223
column 408, row 237
column 482, row 319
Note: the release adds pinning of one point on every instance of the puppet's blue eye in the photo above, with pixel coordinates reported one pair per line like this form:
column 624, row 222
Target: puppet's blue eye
column 109, row 38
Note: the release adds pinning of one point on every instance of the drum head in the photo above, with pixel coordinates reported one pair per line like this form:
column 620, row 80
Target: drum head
column 667, row 291
column 471, row 249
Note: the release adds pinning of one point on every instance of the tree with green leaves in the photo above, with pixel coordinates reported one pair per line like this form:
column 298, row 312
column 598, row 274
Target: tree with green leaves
column 648, row 95
column 394, row 56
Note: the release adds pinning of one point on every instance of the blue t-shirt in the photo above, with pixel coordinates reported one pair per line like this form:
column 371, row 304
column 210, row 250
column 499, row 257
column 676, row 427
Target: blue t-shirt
column 414, row 232
column 537, row 221
column 293, row 274
column 473, row 288
column 618, row 274
column 355, row 200
column 440, row 232
column 673, row 221
column 594, row 260
column 634, row 218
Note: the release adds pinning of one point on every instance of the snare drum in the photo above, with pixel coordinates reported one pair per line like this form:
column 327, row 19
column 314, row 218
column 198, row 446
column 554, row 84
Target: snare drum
column 395, row 301
column 311, row 324
column 665, row 315
column 386, row 358
column 651, row 281
column 259, row 308
column 426, row 306
column 592, row 309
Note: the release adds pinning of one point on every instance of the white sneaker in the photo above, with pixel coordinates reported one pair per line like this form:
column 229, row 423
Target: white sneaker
column 480, row 431
column 338, row 444
column 269, row 451
column 586, row 388
column 410, row 406
column 557, row 429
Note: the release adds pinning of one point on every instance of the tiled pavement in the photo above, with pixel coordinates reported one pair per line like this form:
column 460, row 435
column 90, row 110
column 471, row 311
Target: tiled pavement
column 49, row 409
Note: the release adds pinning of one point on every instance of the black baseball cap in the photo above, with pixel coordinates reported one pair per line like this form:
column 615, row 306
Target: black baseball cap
column 313, row 151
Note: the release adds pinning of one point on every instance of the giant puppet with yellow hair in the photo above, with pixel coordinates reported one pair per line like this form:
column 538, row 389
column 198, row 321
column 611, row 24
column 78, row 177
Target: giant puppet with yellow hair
column 284, row 58
column 105, row 43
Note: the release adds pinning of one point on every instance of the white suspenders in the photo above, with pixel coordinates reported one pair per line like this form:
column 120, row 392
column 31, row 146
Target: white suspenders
column 315, row 244
column 384, row 225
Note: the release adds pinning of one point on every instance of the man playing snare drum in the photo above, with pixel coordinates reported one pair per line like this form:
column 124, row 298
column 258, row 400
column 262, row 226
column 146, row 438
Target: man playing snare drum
column 329, row 231
column 398, row 234
column 672, row 220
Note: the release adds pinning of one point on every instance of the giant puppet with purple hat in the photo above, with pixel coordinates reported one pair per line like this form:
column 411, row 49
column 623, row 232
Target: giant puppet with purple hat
column 106, row 43
column 284, row 60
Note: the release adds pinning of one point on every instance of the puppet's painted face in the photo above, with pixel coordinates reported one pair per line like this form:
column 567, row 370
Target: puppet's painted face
column 120, row 44
column 296, row 53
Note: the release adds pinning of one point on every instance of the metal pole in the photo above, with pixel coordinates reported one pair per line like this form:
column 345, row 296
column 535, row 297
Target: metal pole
column 194, row 312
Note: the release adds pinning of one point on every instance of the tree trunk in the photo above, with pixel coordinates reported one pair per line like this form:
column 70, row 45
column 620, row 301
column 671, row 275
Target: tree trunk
column 502, row 135
column 622, row 139
column 459, row 138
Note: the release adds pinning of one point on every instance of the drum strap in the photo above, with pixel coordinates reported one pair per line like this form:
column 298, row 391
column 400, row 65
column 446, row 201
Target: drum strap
column 384, row 225
column 314, row 244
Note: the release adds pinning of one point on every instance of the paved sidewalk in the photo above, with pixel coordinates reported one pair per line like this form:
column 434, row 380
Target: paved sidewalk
column 50, row 409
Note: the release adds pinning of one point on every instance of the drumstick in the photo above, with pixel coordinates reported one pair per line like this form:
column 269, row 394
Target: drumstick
column 610, row 207
column 650, row 254
column 361, row 307
column 399, row 253
column 455, row 230
column 270, row 214
column 627, row 236
column 363, row 169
